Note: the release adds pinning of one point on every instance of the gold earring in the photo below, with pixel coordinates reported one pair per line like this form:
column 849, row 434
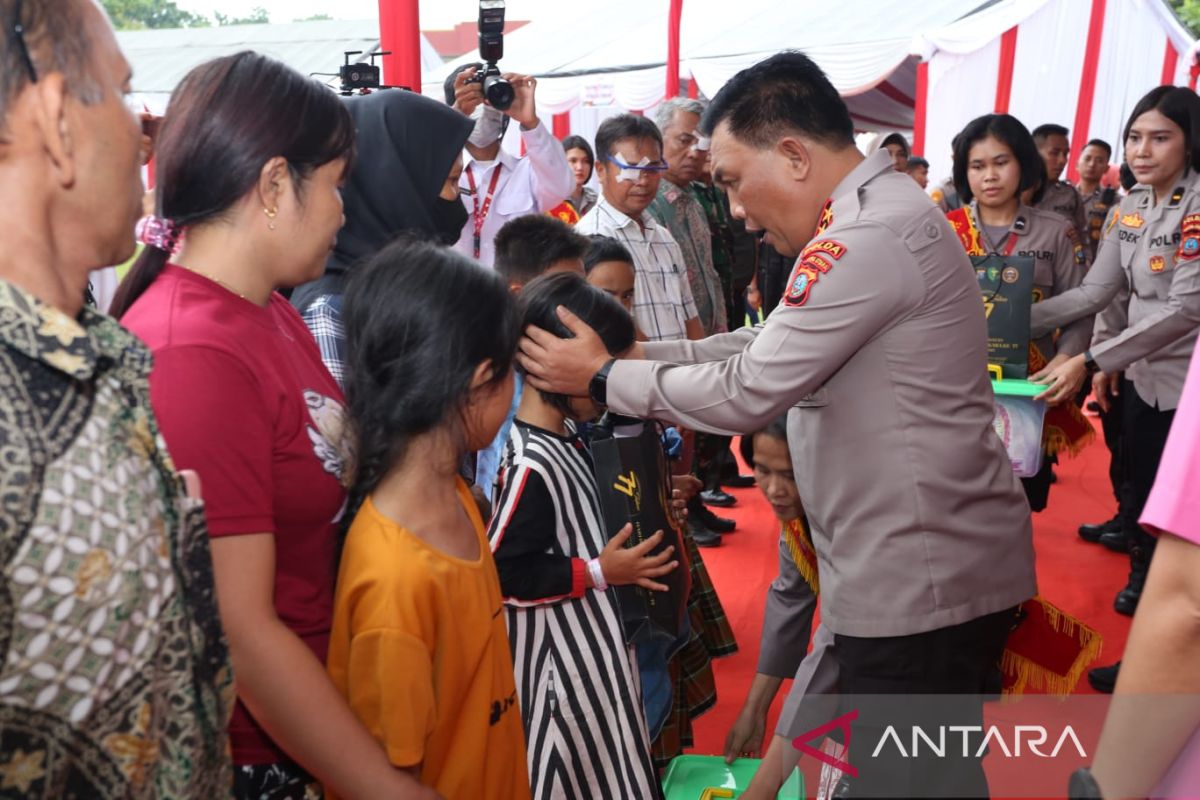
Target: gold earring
column 270, row 212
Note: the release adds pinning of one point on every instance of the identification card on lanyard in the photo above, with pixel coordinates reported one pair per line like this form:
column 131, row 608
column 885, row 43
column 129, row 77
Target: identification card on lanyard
column 481, row 211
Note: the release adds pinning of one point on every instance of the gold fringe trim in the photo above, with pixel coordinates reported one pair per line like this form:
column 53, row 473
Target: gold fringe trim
column 800, row 546
column 1055, row 441
column 1029, row 674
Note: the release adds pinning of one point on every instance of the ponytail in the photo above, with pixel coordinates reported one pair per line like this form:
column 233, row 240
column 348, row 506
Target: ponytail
column 148, row 266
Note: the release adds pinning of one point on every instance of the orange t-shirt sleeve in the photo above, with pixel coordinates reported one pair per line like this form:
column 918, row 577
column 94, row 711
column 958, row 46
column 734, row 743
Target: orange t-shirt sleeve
column 390, row 688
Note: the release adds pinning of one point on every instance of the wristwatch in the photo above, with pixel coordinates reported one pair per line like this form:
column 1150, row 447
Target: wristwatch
column 1083, row 786
column 598, row 387
column 1089, row 363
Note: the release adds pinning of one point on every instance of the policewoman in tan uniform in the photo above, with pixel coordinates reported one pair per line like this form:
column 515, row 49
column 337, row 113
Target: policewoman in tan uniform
column 879, row 349
column 995, row 160
column 1151, row 252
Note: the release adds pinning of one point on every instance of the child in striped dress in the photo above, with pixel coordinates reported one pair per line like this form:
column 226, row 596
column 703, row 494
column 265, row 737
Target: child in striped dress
column 577, row 679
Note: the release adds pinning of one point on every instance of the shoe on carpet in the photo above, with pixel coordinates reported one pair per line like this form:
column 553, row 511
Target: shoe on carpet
column 718, row 498
column 1104, row 679
column 702, row 536
column 1116, row 541
column 1091, row 532
column 708, row 519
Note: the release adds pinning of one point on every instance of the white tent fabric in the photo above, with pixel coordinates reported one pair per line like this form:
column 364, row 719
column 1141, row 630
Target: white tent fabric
column 1048, row 65
column 160, row 58
column 621, row 60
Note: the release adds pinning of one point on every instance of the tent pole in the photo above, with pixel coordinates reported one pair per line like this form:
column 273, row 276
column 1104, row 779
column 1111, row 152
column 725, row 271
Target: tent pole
column 673, row 25
column 1087, row 87
column 918, row 143
column 400, row 33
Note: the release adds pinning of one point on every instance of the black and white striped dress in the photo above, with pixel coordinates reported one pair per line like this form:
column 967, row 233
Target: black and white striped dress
column 576, row 678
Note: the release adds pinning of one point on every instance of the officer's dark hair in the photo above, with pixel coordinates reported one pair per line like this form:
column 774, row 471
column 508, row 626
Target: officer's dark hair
column 784, row 94
column 916, row 162
column 895, row 138
column 1103, row 145
column 1179, row 105
column 528, row 246
column 1004, row 128
column 777, row 429
column 539, row 306
column 419, row 319
column 1043, row 132
column 1127, row 178
column 574, row 142
column 603, row 248
column 624, row 126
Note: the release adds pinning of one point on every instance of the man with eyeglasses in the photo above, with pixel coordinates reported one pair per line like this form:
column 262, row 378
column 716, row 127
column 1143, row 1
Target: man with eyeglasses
column 629, row 166
column 114, row 675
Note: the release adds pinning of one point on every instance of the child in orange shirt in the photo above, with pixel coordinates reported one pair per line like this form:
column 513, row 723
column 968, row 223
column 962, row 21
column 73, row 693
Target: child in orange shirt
column 419, row 646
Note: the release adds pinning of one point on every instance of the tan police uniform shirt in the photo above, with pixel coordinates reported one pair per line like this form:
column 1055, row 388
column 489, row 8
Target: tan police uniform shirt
column 1059, row 264
column 1152, row 251
column 1096, row 205
column 1061, row 198
column 879, row 350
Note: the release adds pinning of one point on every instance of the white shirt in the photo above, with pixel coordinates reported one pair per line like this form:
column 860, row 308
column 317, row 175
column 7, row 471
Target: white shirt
column 662, row 294
column 533, row 184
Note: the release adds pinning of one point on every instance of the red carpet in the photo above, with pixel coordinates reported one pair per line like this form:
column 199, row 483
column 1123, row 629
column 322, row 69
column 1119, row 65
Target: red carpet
column 1080, row 578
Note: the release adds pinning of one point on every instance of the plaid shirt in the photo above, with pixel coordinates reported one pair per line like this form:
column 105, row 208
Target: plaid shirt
column 324, row 318
column 662, row 294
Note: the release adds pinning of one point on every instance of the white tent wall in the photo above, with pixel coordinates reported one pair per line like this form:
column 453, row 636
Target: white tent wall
column 1125, row 73
column 961, row 87
column 1047, row 76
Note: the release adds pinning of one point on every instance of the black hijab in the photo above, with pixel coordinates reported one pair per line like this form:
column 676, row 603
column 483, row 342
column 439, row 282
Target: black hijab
column 406, row 144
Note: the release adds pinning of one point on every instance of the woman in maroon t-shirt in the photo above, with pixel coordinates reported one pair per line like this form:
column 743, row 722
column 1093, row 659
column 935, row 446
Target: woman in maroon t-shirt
column 250, row 161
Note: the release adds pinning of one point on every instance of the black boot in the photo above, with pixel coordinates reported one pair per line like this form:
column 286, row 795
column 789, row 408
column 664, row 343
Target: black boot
column 702, row 536
column 705, row 517
column 1104, row 679
column 1116, row 541
column 1091, row 532
column 1141, row 550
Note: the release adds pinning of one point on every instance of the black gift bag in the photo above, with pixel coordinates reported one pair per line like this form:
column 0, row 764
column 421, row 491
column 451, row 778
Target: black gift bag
column 635, row 487
column 1007, row 286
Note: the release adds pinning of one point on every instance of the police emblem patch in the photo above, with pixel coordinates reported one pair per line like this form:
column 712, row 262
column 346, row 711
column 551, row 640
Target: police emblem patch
column 800, row 285
column 1157, row 263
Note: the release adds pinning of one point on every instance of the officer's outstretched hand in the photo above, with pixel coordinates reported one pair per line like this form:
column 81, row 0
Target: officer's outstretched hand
column 1062, row 380
column 563, row 366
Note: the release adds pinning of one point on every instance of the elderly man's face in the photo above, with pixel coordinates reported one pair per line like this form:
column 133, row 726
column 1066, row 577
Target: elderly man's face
column 680, row 138
column 107, row 140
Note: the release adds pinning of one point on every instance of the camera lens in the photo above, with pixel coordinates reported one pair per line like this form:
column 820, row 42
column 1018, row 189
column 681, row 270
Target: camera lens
column 499, row 92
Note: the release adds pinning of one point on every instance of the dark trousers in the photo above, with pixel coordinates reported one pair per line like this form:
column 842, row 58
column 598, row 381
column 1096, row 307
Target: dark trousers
column 961, row 660
column 1146, row 429
column 1037, row 488
column 1112, row 422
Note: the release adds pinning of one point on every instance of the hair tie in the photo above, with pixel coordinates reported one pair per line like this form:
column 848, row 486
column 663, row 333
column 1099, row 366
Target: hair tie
column 160, row 233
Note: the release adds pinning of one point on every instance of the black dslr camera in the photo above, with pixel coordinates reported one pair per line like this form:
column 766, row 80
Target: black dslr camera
column 360, row 77
column 497, row 90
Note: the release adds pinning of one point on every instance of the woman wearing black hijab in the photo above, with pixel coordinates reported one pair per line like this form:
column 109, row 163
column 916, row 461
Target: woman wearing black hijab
column 404, row 181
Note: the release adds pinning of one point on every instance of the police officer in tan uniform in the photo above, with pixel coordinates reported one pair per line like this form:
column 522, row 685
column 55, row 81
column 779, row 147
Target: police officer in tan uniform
column 1097, row 199
column 1058, row 195
column 879, row 348
column 1151, row 253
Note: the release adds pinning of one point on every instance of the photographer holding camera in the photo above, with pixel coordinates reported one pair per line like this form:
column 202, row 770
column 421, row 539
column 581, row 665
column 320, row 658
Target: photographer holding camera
column 496, row 186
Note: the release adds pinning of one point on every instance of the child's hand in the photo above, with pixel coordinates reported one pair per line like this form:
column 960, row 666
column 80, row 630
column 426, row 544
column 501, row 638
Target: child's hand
column 687, row 486
column 623, row 566
column 679, row 507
